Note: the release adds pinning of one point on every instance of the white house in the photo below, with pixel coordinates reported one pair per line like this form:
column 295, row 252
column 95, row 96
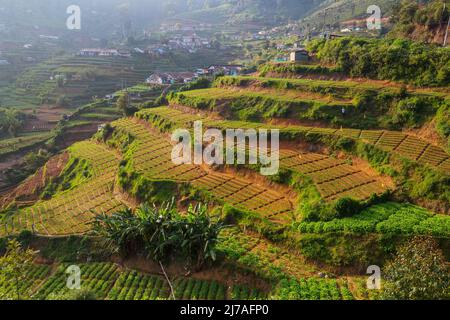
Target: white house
column 171, row 78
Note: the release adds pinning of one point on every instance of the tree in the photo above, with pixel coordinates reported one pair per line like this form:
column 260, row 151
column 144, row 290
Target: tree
column 418, row 272
column 13, row 268
column 123, row 104
column 62, row 101
column 60, row 80
column 162, row 232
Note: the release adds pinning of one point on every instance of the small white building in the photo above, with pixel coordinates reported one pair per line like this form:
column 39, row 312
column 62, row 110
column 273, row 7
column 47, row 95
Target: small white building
column 299, row 55
column 171, row 78
column 96, row 52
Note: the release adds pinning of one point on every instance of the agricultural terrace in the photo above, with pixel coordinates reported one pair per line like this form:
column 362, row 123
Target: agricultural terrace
column 35, row 276
column 151, row 158
column 85, row 77
column 263, row 104
column 388, row 218
column 399, row 143
column 296, row 278
column 111, row 282
column 333, row 178
column 332, row 104
column 70, row 211
column 24, row 141
column 340, row 89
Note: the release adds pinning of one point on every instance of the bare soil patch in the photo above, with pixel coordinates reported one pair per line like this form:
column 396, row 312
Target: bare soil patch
column 29, row 190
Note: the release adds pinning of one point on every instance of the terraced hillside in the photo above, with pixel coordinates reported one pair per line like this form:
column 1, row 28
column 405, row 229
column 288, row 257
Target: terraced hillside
column 109, row 281
column 153, row 160
column 364, row 104
column 334, row 178
column 69, row 212
column 84, row 78
column 400, row 143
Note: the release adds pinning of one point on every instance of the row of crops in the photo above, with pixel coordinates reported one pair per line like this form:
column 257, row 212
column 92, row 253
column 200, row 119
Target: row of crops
column 259, row 256
column 23, row 142
column 334, row 178
column 69, row 212
column 290, row 96
column 109, row 282
column 152, row 159
column 344, row 89
column 111, row 74
column 35, row 276
column 132, row 285
column 312, row 289
column 400, row 143
column 387, row 218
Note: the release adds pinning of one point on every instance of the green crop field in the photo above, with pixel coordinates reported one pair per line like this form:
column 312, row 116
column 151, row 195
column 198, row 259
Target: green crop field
column 387, row 218
column 153, row 160
column 399, row 143
column 70, row 211
column 23, row 142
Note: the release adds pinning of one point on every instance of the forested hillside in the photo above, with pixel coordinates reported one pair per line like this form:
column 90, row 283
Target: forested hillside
column 425, row 20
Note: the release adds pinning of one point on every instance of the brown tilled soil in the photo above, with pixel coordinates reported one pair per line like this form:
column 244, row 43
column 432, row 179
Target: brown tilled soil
column 46, row 118
column 428, row 133
column 28, row 191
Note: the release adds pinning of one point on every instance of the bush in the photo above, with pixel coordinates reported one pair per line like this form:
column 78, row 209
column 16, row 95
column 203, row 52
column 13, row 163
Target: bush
column 347, row 207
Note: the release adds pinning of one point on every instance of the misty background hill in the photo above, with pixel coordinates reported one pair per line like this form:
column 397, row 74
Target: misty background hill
column 100, row 17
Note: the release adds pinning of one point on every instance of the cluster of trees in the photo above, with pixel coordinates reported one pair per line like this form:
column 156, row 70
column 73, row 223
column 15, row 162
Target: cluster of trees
column 11, row 121
column 387, row 59
column 410, row 14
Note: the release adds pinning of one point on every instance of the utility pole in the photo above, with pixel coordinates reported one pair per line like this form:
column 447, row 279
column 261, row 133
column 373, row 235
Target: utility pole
column 446, row 32
column 448, row 26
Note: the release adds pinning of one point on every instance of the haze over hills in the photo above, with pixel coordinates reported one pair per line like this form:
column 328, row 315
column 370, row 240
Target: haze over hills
column 103, row 17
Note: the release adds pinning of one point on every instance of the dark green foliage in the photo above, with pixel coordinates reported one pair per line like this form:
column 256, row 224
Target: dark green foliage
column 344, row 249
column 427, row 16
column 347, row 207
column 11, row 121
column 201, row 83
column 73, row 248
column 387, row 218
column 162, row 233
column 386, row 59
